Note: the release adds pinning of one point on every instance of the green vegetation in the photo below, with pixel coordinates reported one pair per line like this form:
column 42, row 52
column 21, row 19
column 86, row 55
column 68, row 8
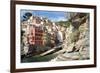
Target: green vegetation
column 38, row 58
column 74, row 36
column 64, row 23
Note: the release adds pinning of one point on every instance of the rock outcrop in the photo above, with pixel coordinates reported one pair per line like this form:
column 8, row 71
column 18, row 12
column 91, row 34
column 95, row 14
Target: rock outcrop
column 76, row 44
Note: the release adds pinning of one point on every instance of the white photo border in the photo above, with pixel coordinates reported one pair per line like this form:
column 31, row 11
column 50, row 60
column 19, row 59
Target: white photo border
column 20, row 65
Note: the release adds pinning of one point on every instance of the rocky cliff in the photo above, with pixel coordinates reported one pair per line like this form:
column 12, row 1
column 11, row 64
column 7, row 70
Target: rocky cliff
column 76, row 43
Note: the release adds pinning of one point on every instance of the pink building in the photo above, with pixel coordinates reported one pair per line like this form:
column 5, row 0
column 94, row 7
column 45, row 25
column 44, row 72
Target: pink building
column 35, row 36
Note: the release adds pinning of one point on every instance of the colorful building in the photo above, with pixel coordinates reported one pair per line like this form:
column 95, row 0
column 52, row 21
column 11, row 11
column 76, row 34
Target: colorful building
column 35, row 36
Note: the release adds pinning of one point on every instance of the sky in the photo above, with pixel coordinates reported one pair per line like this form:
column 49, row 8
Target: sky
column 54, row 16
